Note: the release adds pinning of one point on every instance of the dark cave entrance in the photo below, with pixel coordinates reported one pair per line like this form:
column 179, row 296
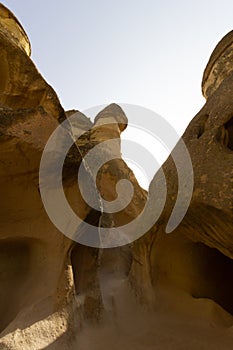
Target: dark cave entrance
column 194, row 267
column 229, row 130
column 216, row 276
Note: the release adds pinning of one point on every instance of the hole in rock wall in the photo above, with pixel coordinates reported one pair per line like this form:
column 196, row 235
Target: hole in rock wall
column 202, row 125
column 229, row 132
column 217, row 272
column 225, row 135
column 14, row 270
column 84, row 261
column 84, row 264
column 199, row 270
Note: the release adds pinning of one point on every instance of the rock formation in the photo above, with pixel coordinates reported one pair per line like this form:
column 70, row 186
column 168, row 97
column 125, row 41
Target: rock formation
column 162, row 291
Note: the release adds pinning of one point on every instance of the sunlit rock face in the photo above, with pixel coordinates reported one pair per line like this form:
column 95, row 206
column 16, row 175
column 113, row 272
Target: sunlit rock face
column 13, row 31
column 219, row 65
column 162, row 291
column 21, row 85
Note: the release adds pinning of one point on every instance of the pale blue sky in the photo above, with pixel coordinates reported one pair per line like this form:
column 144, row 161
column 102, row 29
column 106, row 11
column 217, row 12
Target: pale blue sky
column 151, row 53
column 145, row 52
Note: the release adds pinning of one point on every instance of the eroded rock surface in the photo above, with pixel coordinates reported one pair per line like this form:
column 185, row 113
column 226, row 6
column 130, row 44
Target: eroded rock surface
column 162, row 291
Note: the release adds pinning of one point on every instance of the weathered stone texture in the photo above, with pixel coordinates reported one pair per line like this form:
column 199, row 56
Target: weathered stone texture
column 164, row 290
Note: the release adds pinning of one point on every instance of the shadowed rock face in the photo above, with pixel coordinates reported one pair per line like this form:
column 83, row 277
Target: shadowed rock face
column 164, row 290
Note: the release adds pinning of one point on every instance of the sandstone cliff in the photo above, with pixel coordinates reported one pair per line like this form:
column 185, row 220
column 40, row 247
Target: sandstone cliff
column 162, row 291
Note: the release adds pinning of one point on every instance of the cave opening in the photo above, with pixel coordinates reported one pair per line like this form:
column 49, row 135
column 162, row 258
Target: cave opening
column 229, row 131
column 199, row 270
column 217, row 277
column 14, row 269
